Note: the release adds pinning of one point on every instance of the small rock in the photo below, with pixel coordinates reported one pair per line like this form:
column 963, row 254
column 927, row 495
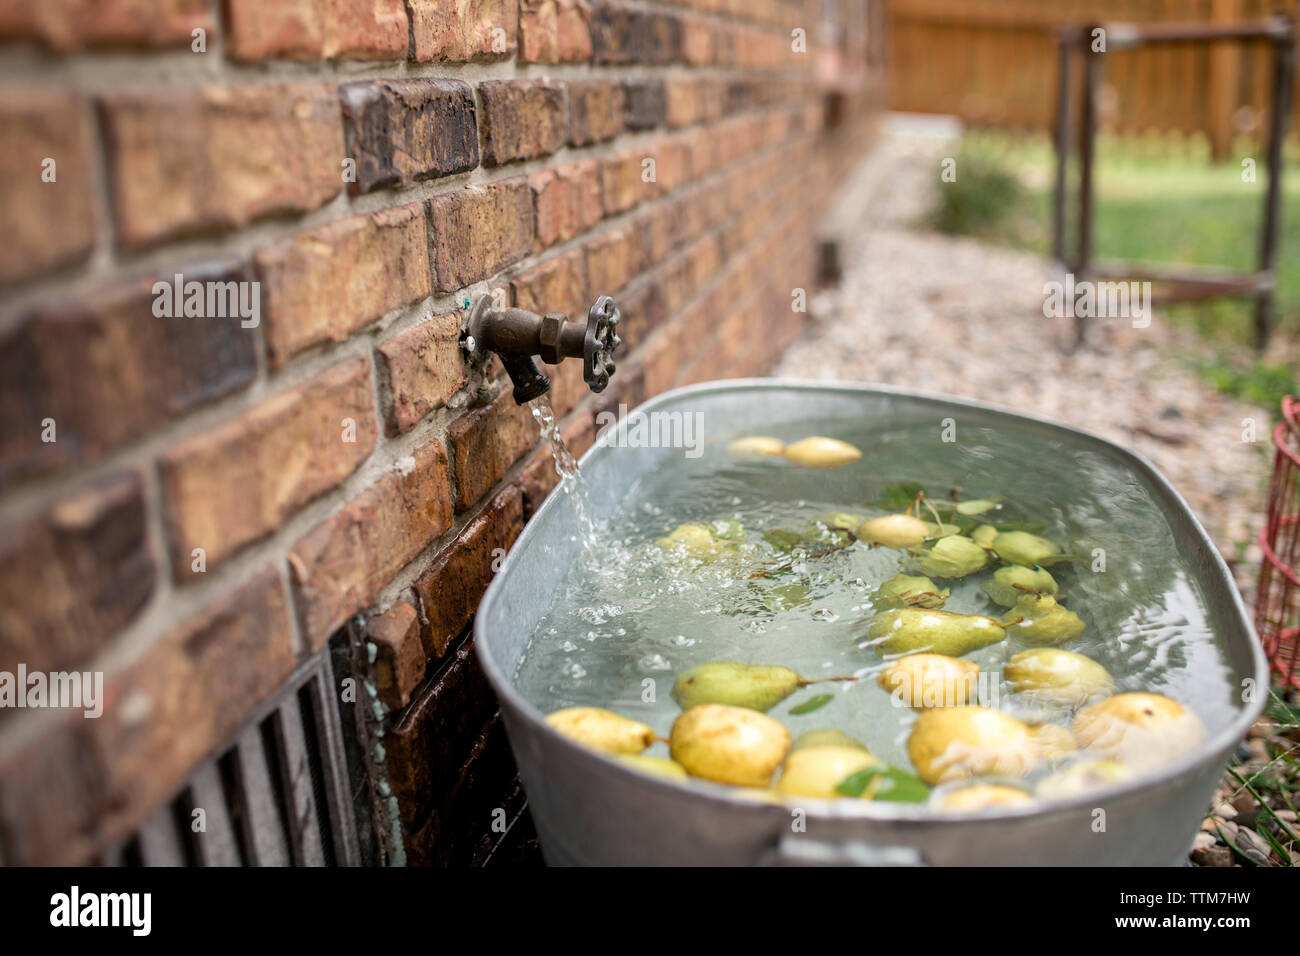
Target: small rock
column 1225, row 811
column 1228, row 831
column 1203, row 841
column 1288, row 816
column 1212, row 856
column 1253, row 845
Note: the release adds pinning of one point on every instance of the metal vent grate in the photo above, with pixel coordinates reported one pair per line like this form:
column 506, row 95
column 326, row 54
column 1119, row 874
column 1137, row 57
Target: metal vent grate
column 278, row 796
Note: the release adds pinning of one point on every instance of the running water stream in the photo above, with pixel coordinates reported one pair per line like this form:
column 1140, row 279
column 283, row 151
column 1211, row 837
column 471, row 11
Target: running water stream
column 566, row 466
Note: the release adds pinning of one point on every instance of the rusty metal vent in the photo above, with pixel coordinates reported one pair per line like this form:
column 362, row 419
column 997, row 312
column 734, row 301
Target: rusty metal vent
column 278, row 796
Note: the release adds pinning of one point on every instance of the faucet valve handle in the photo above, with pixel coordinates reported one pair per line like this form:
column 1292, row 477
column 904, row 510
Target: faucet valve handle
column 600, row 343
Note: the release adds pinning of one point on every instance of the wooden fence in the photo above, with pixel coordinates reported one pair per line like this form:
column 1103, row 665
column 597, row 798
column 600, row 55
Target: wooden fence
column 994, row 62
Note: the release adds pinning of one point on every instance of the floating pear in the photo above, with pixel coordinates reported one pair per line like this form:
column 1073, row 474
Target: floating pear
column 756, row 446
column 654, row 766
column 1048, row 675
column 907, row 629
column 982, row 796
column 817, row 771
column 825, row 737
column 733, row 745
column 954, row 556
column 820, row 452
column 1054, row 741
column 984, row 535
column 756, row 686
column 893, row 531
column 1038, row 619
column 950, row 743
column 1011, row 583
column 1082, row 777
column 909, row 590
column 694, row 539
column 602, row 729
column 1021, row 547
column 1142, row 731
column 923, row 681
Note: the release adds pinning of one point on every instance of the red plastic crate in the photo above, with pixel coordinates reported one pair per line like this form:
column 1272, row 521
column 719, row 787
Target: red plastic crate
column 1277, row 614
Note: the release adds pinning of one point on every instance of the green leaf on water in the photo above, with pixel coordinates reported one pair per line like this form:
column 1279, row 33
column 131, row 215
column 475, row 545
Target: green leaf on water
column 885, row 783
column 816, row 702
column 1033, row 527
column 898, row 497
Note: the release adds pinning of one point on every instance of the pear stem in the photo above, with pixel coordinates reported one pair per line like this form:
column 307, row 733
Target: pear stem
column 822, row 680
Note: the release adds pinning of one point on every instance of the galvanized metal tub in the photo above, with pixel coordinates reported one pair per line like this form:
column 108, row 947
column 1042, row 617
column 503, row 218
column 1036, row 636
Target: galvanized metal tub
column 593, row 811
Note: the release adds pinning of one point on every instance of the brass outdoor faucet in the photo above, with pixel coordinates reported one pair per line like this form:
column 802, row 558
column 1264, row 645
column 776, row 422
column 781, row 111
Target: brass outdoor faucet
column 516, row 335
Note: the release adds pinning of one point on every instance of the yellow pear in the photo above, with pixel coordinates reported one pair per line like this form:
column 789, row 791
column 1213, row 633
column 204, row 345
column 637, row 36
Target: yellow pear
column 693, row 539
column 1011, row 583
column 820, row 452
column 757, row 686
column 817, row 771
column 1021, row 547
column 1082, row 777
column 953, row 556
column 981, row 796
column 924, row 681
column 826, row 737
column 654, row 766
column 908, row 590
column 907, row 629
column 1038, row 619
column 1048, row 675
column 756, row 446
column 602, row 729
column 984, row 535
column 1054, row 741
column 893, row 531
column 1142, row 731
column 954, row 742
column 733, row 745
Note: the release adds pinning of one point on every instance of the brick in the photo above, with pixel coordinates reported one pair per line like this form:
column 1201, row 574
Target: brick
column 51, row 795
column 690, row 100
column 623, row 35
column 567, row 200
column 341, row 565
column 460, row 31
column 623, row 180
column 74, row 576
column 309, row 30
column 479, row 230
column 522, row 119
column 106, row 370
column 538, row 477
column 68, row 25
column 643, row 309
column 399, row 656
column 554, row 31
column 484, row 444
column 644, row 103
column 46, row 224
column 558, row 284
column 187, row 696
column 185, row 161
column 452, row 586
column 423, row 368
column 595, row 112
column 697, row 41
column 230, row 486
column 672, row 156
column 405, row 131
column 613, row 259
column 324, row 284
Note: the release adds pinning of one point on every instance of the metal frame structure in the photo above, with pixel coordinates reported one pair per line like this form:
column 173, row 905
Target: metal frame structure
column 1177, row 283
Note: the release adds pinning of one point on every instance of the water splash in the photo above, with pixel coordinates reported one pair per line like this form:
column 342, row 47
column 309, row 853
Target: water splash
column 566, row 466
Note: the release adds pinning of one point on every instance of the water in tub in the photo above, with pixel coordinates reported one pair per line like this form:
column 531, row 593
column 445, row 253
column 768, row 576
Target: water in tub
column 630, row 614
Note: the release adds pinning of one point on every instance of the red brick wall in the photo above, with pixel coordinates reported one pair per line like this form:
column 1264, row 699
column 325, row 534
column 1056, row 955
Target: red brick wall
column 318, row 460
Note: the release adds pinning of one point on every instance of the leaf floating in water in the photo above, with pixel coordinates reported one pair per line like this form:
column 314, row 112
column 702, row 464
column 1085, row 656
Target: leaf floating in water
column 1033, row 527
column 816, row 702
column 885, row 783
column 898, row 497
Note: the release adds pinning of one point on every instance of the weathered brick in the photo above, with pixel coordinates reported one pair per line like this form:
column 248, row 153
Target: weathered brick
column 538, row 477
column 399, row 655
column 341, row 564
column 567, row 201
column 595, row 111
column 613, row 259
column 67, row 25
column 558, row 284
column 309, row 30
column 644, row 103
column 625, row 179
column 72, row 577
column 188, row 695
column 697, row 41
column 642, row 308
column 522, row 119
column 554, row 31
column 46, row 223
column 404, row 131
column 453, row 584
column 672, row 156
column 462, row 30
column 51, row 794
column 621, row 35
column 424, row 369
column 104, row 369
column 212, row 158
column 479, row 230
column 484, row 444
column 692, row 100
column 227, row 487
column 325, row 284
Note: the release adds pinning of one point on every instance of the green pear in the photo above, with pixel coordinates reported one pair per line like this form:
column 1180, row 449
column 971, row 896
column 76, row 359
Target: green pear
column 1141, row 731
column 950, row 743
column 727, row 529
column 732, row 745
column 756, row 446
column 909, row 590
column 1021, row 547
column 825, row 737
column 984, row 535
column 1038, row 619
column 1083, row 777
column 602, row 729
column 1009, row 584
column 654, row 766
column 922, row 681
column 818, row 452
column 817, row 771
column 1049, row 675
column 893, row 531
column 756, row 686
column 982, row 796
column 908, row 629
column 954, row 556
